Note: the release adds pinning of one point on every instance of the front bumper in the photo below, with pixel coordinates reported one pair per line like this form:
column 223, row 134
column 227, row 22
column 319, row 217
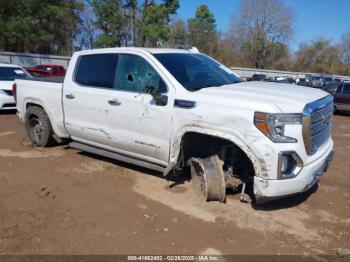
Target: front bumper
column 7, row 102
column 268, row 189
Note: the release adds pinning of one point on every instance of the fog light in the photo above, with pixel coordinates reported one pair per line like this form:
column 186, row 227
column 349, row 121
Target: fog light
column 289, row 165
column 284, row 163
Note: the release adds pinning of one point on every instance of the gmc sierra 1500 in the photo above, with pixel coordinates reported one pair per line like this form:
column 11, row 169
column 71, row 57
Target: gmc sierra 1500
column 170, row 110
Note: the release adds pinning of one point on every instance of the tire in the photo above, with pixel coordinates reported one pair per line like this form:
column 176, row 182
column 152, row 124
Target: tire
column 38, row 127
column 208, row 179
column 335, row 111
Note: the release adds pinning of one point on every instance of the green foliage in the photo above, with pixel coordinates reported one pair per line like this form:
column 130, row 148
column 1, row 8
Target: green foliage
column 202, row 30
column 178, row 34
column 320, row 57
column 110, row 20
column 155, row 22
column 39, row 26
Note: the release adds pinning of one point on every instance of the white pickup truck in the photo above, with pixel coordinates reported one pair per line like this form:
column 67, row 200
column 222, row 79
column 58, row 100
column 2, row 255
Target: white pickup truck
column 177, row 110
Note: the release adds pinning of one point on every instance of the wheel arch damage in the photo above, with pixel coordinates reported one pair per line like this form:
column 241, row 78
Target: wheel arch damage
column 190, row 132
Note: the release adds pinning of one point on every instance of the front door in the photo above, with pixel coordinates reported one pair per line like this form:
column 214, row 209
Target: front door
column 138, row 125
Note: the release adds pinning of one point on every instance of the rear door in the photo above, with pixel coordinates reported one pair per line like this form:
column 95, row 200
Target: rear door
column 338, row 96
column 344, row 98
column 87, row 98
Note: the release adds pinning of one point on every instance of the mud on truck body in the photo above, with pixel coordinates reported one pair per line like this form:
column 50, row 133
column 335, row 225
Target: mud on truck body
column 176, row 110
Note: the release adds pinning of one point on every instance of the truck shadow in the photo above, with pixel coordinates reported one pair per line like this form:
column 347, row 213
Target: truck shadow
column 8, row 112
column 342, row 113
column 175, row 180
column 178, row 180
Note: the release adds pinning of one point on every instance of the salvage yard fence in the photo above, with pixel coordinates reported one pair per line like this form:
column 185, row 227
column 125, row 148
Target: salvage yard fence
column 249, row 72
column 28, row 60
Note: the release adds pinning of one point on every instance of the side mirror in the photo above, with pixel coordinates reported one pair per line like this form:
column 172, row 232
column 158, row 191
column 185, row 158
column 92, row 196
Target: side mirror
column 161, row 100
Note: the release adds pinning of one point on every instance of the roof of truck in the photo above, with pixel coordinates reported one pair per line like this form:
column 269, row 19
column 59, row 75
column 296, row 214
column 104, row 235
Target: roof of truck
column 150, row 50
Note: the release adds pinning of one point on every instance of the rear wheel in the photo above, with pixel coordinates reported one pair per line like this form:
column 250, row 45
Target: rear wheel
column 38, row 126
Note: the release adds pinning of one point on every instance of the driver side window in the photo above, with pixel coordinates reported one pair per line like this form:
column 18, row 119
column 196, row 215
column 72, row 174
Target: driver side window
column 134, row 74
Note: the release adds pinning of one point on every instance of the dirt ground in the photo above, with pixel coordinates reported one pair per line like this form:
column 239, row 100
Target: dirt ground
column 62, row 201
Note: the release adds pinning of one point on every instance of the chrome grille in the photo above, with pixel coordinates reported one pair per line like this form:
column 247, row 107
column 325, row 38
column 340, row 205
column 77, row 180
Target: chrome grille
column 317, row 124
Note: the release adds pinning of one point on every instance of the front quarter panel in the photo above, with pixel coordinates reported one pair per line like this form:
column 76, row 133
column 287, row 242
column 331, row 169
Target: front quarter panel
column 233, row 123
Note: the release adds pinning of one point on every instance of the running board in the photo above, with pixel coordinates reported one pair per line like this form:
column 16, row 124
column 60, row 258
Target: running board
column 116, row 156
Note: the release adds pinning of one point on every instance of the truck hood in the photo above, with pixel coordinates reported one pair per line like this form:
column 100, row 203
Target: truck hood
column 286, row 97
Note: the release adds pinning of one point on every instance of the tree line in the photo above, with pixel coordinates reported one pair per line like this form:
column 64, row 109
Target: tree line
column 259, row 34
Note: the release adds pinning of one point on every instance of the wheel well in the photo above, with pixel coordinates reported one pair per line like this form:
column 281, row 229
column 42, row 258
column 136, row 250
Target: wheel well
column 32, row 104
column 203, row 145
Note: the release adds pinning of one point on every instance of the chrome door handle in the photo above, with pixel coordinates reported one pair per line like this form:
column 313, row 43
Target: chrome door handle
column 70, row 96
column 114, row 102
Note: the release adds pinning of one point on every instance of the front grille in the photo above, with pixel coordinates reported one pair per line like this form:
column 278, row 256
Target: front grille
column 317, row 124
column 8, row 92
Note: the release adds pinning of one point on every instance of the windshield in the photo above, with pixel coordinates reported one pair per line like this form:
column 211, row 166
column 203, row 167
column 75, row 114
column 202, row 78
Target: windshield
column 12, row 73
column 196, row 71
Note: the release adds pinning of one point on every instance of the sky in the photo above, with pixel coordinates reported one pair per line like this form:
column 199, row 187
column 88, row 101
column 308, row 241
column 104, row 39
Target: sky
column 312, row 18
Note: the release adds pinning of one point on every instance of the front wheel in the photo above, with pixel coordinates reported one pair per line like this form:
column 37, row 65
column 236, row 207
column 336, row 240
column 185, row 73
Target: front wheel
column 208, row 179
column 38, row 126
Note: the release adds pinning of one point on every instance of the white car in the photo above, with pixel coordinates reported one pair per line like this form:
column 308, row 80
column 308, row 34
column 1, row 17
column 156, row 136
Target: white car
column 8, row 73
column 176, row 110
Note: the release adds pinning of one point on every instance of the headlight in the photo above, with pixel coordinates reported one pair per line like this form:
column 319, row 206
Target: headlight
column 272, row 125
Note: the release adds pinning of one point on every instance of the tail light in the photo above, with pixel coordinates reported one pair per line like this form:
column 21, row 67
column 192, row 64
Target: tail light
column 14, row 91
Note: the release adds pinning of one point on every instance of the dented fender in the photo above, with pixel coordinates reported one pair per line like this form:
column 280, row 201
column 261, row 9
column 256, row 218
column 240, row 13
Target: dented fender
column 254, row 155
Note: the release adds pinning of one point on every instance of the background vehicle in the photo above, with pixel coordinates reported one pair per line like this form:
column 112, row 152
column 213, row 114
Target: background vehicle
column 300, row 81
column 341, row 94
column 46, row 70
column 257, row 77
column 327, row 79
column 174, row 110
column 8, row 73
column 284, row 79
column 313, row 80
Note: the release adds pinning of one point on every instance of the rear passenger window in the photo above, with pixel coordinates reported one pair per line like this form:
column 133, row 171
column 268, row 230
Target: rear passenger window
column 346, row 90
column 134, row 74
column 96, row 70
column 339, row 88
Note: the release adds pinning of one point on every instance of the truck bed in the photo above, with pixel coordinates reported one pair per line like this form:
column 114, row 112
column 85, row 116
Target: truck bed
column 46, row 92
column 51, row 79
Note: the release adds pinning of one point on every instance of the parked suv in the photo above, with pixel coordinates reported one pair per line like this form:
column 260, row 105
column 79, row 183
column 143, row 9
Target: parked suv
column 341, row 94
column 313, row 80
column 8, row 73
